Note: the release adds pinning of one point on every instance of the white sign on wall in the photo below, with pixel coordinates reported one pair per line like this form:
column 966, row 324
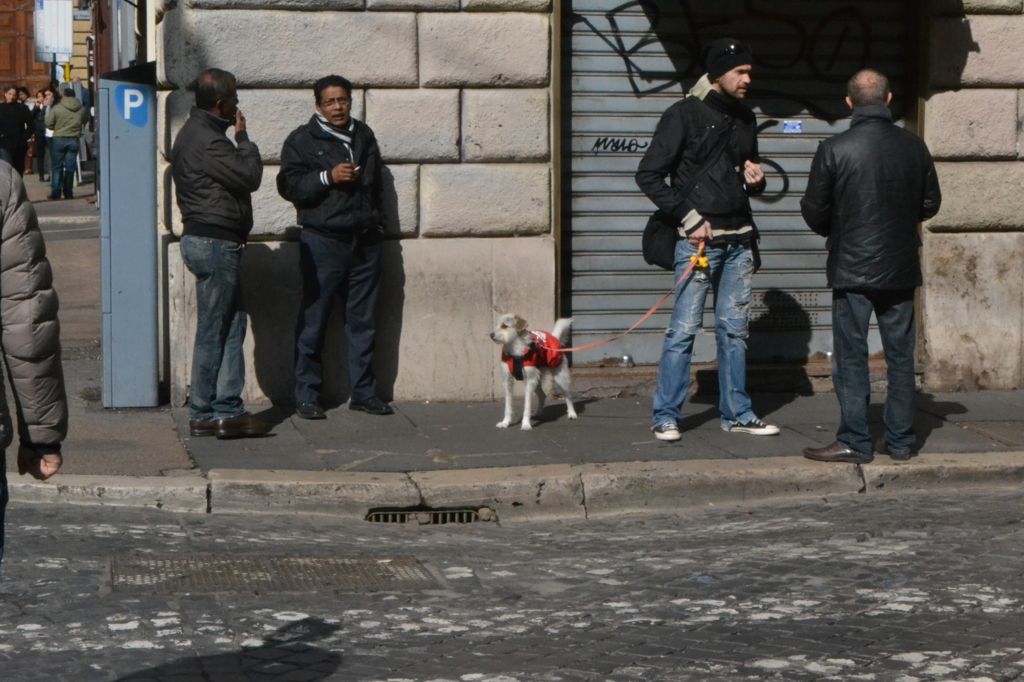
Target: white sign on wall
column 54, row 30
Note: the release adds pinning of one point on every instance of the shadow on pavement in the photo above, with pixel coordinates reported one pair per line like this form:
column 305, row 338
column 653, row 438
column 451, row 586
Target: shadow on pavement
column 553, row 411
column 287, row 654
column 931, row 415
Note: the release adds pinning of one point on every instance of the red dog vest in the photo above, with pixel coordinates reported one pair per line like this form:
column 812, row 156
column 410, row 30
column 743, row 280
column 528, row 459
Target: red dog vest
column 542, row 352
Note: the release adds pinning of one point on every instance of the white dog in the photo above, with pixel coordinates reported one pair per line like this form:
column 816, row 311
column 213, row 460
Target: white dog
column 529, row 356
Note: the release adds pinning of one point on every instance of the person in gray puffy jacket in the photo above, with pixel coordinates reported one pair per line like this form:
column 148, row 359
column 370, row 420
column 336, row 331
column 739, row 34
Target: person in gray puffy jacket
column 30, row 340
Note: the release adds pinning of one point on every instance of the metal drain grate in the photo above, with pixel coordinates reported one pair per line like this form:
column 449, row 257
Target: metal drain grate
column 268, row 574
column 433, row 517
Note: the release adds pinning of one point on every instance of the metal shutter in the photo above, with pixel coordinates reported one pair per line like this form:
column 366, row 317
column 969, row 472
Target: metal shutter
column 628, row 63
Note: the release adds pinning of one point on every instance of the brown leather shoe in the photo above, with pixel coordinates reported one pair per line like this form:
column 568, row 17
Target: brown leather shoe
column 242, row 426
column 837, row 452
column 202, row 427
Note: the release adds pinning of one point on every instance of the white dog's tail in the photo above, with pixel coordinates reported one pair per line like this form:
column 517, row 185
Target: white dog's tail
column 561, row 329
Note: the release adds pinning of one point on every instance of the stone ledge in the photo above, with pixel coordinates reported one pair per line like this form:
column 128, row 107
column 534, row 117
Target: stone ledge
column 527, row 493
column 936, row 472
column 505, row 125
column 484, row 50
column 518, row 493
column 325, row 492
column 506, row 5
column 671, row 486
column 191, row 40
column 419, row 5
column 977, row 51
column 415, row 125
column 304, row 5
column 972, row 124
column 973, row 302
column 485, row 200
column 977, row 6
column 979, row 196
column 171, row 493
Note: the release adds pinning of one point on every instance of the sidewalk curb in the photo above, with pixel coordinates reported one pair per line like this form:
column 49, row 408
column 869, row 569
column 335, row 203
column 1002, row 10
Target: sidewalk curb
column 50, row 221
column 173, row 493
column 556, row 491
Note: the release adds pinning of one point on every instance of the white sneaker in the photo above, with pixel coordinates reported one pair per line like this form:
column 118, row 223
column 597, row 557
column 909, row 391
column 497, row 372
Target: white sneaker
column 667, row 431
column 755, row 427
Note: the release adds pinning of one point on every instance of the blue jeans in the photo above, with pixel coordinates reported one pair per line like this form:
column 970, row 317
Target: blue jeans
column 330, row 267
column 218, row 366
column 730, row 270
column 851, row 312
column 63, row 165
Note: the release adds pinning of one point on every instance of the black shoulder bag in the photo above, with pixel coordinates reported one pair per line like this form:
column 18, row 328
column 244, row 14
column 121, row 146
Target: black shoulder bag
column 662, row 231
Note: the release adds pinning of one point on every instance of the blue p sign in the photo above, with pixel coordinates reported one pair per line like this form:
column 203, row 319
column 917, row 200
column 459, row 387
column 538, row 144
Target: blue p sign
column 132, row 105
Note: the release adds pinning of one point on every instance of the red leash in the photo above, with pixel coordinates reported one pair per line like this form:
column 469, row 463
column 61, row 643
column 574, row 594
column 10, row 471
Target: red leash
column 693, row 263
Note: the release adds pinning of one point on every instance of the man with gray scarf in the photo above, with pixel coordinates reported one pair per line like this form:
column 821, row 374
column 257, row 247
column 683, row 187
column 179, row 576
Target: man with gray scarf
column 331, row 171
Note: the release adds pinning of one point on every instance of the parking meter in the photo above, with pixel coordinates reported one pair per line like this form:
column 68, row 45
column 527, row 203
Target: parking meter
column 126, row 185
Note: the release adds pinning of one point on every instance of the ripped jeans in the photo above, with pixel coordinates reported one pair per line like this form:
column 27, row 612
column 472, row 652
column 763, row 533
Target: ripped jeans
column 730, row 270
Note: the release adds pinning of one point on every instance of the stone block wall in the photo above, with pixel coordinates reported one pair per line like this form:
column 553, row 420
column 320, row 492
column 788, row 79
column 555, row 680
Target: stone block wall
column 458, row 94
column 973, row 299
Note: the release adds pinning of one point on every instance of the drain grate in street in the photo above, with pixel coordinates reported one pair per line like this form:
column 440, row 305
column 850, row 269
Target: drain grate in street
column 189, row 574
column 433, row 517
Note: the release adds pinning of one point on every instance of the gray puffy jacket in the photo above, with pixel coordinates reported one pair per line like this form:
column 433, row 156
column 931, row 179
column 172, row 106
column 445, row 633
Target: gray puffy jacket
column 29, row 330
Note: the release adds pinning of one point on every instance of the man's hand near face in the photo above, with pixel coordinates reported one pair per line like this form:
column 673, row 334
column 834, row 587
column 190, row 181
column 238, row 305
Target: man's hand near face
column 344, row 173
column 239, row 122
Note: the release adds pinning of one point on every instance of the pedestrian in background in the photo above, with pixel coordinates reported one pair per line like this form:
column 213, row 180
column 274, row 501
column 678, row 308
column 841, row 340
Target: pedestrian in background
column 15, row 129
column 709, row 136
column 65, row 119
column 30, row 341
column 868, row 190
column 213, row 182
column 40, row 158
column 51, row 97
column 331, row 171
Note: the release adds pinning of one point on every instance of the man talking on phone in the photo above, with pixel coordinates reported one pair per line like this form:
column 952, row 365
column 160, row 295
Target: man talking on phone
column 331, row 172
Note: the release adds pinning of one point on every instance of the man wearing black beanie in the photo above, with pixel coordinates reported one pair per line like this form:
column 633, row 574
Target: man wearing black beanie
column 706, row 145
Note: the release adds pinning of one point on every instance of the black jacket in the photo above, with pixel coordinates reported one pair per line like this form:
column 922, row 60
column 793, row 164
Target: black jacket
column 869, row 188
column 346, row 211
column 684, row 139
column 16, row 125
column 214, row 179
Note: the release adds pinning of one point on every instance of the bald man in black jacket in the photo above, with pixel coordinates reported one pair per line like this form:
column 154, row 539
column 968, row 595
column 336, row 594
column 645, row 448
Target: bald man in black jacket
column 868, row 190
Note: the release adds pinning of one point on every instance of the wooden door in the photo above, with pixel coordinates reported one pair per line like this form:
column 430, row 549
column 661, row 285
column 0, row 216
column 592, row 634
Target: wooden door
column 18, row 63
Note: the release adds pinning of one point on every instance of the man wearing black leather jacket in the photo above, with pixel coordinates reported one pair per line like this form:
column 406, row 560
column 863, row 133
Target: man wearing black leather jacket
column 868, row 190
column 710, row 136
column 331, row 171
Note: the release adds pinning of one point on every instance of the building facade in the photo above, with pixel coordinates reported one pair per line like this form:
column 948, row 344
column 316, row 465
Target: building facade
column 512, row 128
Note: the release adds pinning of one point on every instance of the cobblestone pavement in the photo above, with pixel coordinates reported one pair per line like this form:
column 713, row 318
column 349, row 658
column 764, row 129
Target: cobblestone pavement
column 903, row 588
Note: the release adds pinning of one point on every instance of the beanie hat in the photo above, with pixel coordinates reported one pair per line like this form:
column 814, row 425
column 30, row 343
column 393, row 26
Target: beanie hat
column 724, row 55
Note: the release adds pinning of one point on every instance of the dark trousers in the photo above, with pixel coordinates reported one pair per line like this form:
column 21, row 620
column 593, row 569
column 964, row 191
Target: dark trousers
column 63, row 166
column 851, row 312
column 331, row 267
column 218, row 365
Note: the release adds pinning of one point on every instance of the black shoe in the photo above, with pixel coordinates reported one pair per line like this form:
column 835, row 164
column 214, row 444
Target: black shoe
column 882, row 448
column 69, row 196
column 310, row 411
column 372, row 406
column 242, row 426
column 202, row 427
column 54, row 197
column 837, row 452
